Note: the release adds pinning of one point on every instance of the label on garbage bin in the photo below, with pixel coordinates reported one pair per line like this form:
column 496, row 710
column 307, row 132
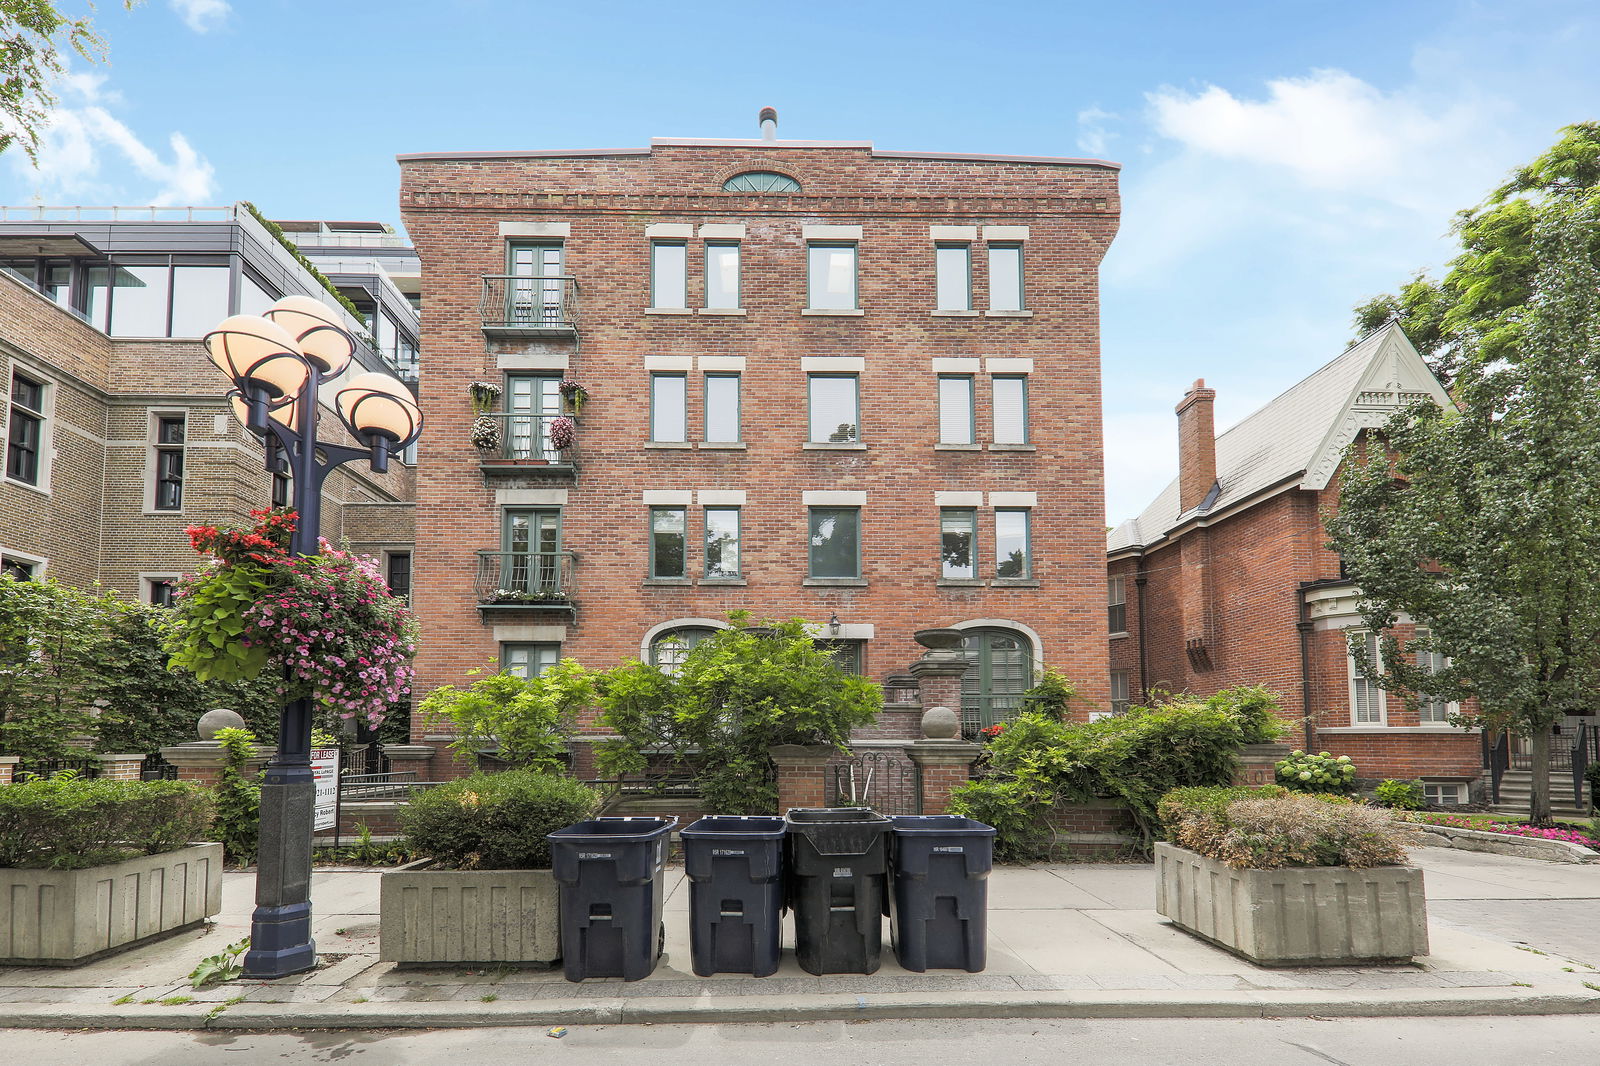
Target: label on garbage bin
column 950, row 851
column 842, row 871
column 594, row 855
column 726, row 851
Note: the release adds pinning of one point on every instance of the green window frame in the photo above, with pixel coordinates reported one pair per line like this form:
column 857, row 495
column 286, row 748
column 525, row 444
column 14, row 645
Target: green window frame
column 1006, row 263
column 670, row 647
column 1009, row 406
column 829, row 430
column 834, row 542
column 528, row 661
column 669, row 407
column 669, row 275
column 820, row 261
column 170, row 435
column 723, row 408
column 958, row 541
column 722, row 536
column 952, row 268
column 669, row 542
column 850, row 655
column 958, row 414
column 718, row 255
column 1117, row 605
column 1013, row 543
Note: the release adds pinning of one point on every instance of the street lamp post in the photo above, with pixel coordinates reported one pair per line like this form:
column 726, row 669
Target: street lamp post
column 278, row 363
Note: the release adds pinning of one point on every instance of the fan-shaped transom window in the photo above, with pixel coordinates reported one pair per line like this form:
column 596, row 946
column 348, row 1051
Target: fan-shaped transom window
column 761, row 181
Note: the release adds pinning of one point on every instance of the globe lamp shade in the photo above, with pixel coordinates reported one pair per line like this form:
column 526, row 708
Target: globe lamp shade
column 258, row 355
column 377, row 405
column 317, row 330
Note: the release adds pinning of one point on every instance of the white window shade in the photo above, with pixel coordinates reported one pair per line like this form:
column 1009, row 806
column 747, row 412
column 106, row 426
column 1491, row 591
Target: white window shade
column 1011, row 410
column 1366, row 698
column 955, row 410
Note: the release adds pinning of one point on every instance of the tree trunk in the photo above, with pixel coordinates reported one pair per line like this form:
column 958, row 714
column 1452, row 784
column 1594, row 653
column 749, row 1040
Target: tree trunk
column 1539, row 793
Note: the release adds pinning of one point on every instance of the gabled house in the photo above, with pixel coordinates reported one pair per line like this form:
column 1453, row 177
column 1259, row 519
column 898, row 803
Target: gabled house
column 1226, row 577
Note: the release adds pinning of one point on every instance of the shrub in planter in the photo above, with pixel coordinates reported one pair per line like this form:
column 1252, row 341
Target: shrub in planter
column 1318, row 773
column 495, row 821
column 1254, row 829
column 71, row 823
column 1401, row 795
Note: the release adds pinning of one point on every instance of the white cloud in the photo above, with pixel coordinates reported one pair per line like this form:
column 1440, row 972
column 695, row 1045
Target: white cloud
column 1093, row 136
column 82, row 142
column 201, row 16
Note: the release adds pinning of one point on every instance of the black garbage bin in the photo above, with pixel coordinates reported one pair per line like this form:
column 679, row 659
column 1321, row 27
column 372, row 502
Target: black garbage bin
column 735, row 865
column 838, row 887
column 941, row 866
column 609, row 870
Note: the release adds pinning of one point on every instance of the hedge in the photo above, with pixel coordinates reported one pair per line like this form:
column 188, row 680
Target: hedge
column 68, row 823
column 495, row 821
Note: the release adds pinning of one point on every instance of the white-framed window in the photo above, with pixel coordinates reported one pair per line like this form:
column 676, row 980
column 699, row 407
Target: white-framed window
column 1432, row 711
column 1119, row 692
column 28, row 430
column 1367, row 703
column 953, row 276
column 1444, row 793
column 168, row 433
column 955, row 409
column 1117, row 606
column 669, row 274
column 21, row 567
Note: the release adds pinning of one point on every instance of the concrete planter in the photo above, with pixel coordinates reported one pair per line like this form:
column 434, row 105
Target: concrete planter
column 1316, row 916
column 440, row 916
column 68, row 917
column 1448, row 836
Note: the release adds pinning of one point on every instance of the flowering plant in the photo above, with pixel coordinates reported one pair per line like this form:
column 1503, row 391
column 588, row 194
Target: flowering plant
column 1318, row 773
column 485, row 433
column 574, row 394
column 484, row 394
column 563, row 433
column 990, row 732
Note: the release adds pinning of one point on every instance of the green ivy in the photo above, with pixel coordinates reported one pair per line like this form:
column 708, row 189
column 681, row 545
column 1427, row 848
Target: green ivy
column 299, row 257
column 238, row 824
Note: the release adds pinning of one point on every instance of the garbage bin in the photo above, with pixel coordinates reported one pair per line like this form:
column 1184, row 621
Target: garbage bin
column 838, row 887
column 735, row 866
column 941, row 868
column 609, row 870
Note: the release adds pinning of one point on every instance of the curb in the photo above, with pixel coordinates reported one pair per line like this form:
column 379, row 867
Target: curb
column 1508, row 844
column 805, row 1008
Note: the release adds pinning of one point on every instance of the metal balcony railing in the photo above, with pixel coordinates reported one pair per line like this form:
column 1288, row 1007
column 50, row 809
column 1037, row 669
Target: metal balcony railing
column 521, row 303
column 526, row 579
column 524, row 437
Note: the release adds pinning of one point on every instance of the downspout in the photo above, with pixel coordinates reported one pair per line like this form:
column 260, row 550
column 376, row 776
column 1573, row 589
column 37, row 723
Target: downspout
column 1139, row 578
column 1304, row 626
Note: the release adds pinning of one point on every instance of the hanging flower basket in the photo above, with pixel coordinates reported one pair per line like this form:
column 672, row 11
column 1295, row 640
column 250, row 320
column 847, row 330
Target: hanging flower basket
column 485, row 434
column 575, row 395
column 484, row 395
column 563, row 433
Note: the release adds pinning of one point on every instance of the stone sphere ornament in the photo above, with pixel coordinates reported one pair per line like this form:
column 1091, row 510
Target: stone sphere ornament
column 220, row 718
column 940, row 723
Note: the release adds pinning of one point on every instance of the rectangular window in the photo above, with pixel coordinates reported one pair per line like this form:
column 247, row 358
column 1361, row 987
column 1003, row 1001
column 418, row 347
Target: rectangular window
column 1010, row 409
column 955, row 409
column 835, row 403
column 958, row 539
column 531, row 404
column 159, row 590
column 1439, row 794
column 1013, row 556
column 1366, row 698
column 668, row 542
column 1119, row 692
column 24, row 429
column 669, row 412
column 199, row 299
column 139, row 300
column 1432, row 711
column 848, row 655
column 400, row 575
column 832, row 276
column 722, row 542
column 17, row 569
column 722, row 276
column 669, row 274
column 953, row 267
column 280, row 490
column 722, row 408
column 169, row 462
column 528, row 661
column 1117, row 606
column 1005, row 277
column 535, row 297
column 531, row 562
column 835, row 542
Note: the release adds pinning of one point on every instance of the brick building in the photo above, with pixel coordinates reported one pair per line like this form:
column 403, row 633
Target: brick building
column 1226, row 578
column 822, row 380
column 117, row 431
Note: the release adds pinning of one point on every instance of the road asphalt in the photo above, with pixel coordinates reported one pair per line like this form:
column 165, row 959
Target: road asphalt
column 1065, row 941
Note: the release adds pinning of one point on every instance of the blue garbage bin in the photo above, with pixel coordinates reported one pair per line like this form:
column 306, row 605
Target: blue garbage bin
column 941, row 866
column 609, row 872
column 736, row 866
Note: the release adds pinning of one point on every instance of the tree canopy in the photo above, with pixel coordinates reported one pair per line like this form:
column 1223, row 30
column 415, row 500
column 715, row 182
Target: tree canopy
column 35, row 40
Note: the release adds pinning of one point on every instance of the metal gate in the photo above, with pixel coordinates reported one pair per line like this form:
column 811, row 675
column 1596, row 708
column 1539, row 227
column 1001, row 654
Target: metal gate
column 884, row 779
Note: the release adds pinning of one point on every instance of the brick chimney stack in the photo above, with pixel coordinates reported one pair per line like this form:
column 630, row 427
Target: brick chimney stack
column 1197, row 445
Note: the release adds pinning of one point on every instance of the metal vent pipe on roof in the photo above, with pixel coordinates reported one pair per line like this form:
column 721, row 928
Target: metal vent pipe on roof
column 769, row 123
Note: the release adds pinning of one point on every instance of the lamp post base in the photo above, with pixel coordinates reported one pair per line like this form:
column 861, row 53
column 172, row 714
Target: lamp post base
column 280, row 942
column 280, row 927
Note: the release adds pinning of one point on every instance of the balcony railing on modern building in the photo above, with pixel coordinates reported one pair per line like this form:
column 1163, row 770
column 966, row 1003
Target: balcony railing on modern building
column 520, row 446
column 526, row 581
column 529, row 305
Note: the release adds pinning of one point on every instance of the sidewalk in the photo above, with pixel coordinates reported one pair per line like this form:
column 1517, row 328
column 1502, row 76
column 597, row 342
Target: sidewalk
column 1064, row 941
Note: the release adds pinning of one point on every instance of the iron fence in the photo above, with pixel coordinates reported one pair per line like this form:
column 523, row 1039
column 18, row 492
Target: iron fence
column 524, row 437
column 526, row 579
column 884, row 779
column 529, row 303
column 51, row 767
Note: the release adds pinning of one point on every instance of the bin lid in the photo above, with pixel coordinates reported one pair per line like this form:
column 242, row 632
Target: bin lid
column 805, row 815
column 638, row 827
column 940, row 824
column 759, row 826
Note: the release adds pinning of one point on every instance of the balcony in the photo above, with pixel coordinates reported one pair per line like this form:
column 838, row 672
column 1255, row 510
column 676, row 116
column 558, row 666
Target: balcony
column 526, row 581
column 521, row 447
column 523, row 305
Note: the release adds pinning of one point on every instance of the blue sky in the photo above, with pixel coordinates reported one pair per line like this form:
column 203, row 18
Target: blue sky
column 1283, row 160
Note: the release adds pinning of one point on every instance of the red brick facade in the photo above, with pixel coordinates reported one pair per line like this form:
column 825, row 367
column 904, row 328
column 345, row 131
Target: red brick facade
column 462, row 211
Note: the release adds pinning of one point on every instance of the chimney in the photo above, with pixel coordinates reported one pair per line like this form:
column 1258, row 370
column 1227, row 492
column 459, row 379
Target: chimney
column 1197, row 446
column 769, row 123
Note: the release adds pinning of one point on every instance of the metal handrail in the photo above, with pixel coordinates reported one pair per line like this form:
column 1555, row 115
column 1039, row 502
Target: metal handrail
column 525, row 578
column 534, row 302
column 524, row 436
column 145, row 213
column 1583, row 753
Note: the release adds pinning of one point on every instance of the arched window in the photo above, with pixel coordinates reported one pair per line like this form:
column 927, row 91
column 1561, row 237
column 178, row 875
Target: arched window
column 1000, row 671
column 761, row 181
column 669, row 647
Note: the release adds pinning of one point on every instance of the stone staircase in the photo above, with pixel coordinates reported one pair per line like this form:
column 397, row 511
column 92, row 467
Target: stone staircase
column 1516, row 785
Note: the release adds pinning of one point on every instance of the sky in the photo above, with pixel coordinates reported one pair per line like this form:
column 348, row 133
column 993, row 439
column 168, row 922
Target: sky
column 1283, row 160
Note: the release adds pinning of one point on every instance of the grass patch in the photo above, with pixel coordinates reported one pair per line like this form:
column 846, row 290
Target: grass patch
column 490, row 998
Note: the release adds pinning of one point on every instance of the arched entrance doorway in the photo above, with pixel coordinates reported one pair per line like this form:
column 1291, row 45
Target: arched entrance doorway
column 1000, row 671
